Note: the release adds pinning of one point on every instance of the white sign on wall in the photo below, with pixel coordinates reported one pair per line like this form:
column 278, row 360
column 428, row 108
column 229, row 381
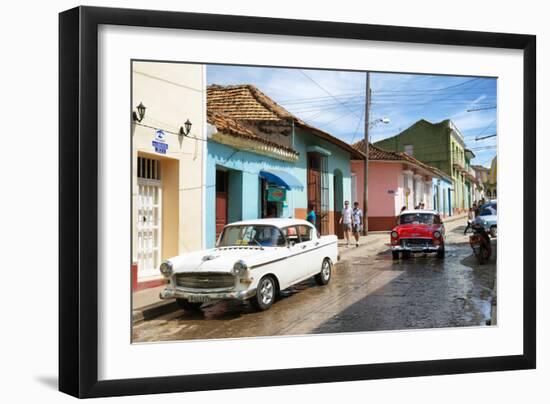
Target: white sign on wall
column 159, row 143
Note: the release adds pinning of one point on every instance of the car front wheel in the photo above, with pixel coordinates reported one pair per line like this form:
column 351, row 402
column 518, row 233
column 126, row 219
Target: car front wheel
column 441, row 253
column 323, row 277
column 265, row 294
column 395, row 255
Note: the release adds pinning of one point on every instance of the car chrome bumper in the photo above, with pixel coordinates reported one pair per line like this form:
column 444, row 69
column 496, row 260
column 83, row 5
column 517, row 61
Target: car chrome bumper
column 179, row 293
column 426, row 249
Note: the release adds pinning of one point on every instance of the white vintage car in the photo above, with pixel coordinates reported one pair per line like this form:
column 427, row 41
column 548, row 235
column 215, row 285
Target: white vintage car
column 253, row 260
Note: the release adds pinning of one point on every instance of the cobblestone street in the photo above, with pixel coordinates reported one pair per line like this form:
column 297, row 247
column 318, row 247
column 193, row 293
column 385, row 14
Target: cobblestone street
column 368, row 291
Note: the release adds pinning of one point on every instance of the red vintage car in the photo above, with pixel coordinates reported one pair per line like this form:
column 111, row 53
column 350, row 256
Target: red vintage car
column 418, row 231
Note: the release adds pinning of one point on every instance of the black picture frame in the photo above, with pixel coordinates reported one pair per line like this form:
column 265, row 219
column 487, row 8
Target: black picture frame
column 78, row 200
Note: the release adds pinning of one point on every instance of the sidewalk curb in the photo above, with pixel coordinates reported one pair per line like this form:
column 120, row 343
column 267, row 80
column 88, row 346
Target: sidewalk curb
column 154, row 310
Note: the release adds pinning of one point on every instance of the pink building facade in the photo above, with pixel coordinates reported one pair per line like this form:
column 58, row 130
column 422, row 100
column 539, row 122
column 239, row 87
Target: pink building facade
column 395, row 180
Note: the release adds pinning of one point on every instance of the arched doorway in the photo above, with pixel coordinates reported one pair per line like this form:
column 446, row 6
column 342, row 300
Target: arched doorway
column 338, row 200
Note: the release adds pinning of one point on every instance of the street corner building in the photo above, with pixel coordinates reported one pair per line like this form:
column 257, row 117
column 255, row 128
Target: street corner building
column 396, row 180
column 262, row 161
column 168, row 149
column 440, row 145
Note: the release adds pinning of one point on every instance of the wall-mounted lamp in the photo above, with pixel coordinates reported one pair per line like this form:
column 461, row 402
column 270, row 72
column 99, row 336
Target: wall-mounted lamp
column 140, row 114
column 184, row 132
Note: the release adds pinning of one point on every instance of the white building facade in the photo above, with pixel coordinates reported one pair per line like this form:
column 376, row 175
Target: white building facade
column 167, row 166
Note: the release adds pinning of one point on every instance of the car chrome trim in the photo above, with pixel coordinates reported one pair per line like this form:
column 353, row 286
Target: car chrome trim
column 290, row 256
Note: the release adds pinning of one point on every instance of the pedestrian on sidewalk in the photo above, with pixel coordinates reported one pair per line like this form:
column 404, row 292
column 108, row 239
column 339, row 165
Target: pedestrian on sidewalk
column 345, row 221
column 472, row 215
column 311, row 217
column 472, row 212
column 476, row 209
column 357, row 221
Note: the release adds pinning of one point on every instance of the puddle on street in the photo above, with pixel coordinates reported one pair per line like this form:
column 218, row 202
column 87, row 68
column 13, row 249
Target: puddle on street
column 484, row 307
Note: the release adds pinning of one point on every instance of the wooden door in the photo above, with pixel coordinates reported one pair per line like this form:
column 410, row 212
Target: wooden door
column 221, row 200
column 318, row 190
column 314, row 188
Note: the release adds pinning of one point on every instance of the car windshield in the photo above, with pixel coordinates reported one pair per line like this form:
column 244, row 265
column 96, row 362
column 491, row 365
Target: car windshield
column 251, row 235
column 417, row 218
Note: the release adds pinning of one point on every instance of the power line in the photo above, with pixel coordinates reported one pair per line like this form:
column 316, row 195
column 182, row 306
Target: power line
column 484, row 130
column 434, row 89
column 170, row 132
column 357, row 127
column 326, row 91
column 320, row 98
column 481, row 109
column 485, row 137
column 337, row 119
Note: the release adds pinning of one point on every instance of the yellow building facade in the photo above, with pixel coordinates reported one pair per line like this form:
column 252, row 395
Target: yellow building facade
column 167, row 165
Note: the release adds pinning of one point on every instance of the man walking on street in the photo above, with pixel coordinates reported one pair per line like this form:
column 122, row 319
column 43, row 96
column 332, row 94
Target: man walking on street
column 345, row 221
column 357, row 222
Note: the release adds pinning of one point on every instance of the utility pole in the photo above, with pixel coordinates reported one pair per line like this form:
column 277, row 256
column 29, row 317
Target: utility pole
column 366, row 171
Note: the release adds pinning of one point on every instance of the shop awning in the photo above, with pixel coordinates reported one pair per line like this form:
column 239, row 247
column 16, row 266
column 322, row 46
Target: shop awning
column 282, row 179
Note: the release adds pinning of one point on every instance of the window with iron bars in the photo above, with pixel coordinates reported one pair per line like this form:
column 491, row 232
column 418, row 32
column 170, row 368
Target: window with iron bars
column 148, row 169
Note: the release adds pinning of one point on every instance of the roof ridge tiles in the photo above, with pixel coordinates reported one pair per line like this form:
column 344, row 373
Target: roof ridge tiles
column 246, row 102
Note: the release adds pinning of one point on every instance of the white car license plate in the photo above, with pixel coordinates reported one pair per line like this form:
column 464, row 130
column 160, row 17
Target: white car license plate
column 198, row 299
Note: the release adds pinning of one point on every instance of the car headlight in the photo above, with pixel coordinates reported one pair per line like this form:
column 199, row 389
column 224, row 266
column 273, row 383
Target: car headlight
column 166, row 269
column 437, row 234
column 239, row 268
column 394, row 234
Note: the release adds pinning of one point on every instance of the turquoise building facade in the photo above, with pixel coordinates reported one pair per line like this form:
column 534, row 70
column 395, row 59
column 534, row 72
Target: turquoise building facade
column 245, row 173
column 442, row 192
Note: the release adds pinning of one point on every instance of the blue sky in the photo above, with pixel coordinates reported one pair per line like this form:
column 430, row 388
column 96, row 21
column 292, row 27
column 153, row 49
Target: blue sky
column 335, row 101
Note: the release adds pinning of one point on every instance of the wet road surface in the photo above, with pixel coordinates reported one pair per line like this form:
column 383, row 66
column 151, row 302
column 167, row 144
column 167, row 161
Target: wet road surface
column 367, row 292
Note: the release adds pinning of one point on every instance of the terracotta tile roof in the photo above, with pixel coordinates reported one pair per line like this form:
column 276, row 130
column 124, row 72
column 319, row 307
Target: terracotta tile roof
column 229, row 126
column 376, row 153
column 245, row 102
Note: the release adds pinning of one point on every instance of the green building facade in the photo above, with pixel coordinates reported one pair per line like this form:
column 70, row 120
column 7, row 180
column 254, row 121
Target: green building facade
column 440, row 145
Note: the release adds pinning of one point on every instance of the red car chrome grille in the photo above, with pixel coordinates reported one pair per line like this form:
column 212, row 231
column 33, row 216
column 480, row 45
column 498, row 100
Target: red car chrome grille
column 416, row 242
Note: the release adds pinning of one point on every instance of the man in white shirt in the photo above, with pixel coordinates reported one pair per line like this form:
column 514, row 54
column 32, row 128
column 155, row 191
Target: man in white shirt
column 345, row 221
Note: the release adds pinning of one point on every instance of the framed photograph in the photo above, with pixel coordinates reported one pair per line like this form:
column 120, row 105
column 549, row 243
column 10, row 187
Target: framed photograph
column 251, row 202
